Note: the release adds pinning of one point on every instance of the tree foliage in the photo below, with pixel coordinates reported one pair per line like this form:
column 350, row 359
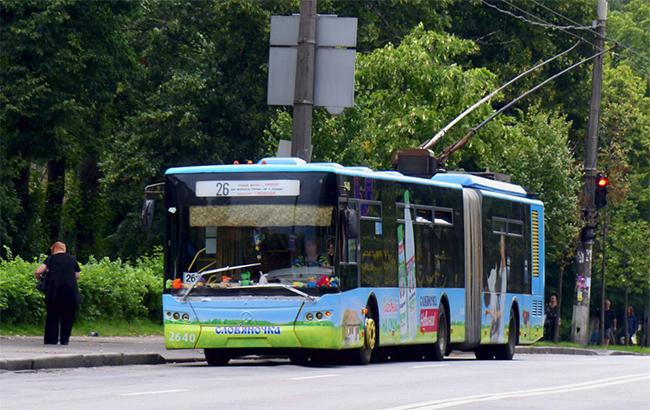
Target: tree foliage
column 97, row 99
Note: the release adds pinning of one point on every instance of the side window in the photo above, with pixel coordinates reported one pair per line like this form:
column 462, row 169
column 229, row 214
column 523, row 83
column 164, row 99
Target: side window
column 373, row 267
column 348, row 246
column 444, row 254
column 424, row 252
column 348, row 250
column 508, row 235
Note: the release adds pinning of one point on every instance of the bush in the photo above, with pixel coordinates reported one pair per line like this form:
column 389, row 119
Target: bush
column 109, row 290
column 20, row 302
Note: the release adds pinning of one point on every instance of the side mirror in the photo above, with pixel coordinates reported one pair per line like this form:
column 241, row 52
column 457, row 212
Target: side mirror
column 147, row 213
column 350, row 221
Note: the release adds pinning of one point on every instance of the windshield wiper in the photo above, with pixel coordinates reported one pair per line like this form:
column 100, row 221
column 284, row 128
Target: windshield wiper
column 207, row 272
column 282, row 286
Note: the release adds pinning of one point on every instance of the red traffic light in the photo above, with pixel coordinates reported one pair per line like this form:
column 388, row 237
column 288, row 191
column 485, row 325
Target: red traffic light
column 602, row 182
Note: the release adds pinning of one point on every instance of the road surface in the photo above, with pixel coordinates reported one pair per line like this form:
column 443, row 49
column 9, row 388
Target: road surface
column 529, row 381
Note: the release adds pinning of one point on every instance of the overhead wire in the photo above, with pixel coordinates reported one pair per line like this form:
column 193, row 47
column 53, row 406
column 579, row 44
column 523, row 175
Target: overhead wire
column 631, row 49
column 443, row 131
column 442, row 158
column 546, row 25
column 630, row 62
column 544, row 21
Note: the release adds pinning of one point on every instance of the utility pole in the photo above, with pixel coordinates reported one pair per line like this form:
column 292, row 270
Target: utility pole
column 304, row 90
column 584, row 251
column 603, row 284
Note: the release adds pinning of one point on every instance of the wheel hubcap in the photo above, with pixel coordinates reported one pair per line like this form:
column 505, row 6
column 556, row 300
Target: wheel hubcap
column 371, row 336
column 442, row 339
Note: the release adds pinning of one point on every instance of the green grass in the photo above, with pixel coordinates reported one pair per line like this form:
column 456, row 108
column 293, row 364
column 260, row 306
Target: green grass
column 137, row 327
column 635, row 349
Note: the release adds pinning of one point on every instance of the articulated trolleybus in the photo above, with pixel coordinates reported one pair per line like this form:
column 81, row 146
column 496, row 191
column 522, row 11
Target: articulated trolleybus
column 296, row 259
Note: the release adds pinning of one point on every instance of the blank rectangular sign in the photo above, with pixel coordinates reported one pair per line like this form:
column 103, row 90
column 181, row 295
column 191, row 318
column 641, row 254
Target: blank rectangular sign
column 331, row 31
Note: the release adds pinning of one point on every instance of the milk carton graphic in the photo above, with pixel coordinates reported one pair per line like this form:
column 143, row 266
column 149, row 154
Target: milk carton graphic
column 401, row 279
column 410, row 270
column 406, row 275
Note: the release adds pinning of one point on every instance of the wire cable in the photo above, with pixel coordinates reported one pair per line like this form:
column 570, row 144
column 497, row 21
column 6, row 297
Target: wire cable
column 443, row 131
column 442, row 158
column 544, row 21
column 535, row 23
column 645, row 71
column 592, row 31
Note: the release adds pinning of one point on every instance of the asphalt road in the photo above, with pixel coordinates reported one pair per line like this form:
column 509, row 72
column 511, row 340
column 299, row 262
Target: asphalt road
column 529, row 381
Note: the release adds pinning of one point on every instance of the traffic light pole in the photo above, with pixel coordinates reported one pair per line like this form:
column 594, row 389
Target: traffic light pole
column 584, row 251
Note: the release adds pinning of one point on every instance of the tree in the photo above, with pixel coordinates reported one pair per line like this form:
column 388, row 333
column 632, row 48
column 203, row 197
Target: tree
column 63, row 61
column 406, row 93
column 403, row 94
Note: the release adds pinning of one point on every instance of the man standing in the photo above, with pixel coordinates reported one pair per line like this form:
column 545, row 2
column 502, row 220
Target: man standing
column 610, row 323
column 61, row 294
column 552, row 316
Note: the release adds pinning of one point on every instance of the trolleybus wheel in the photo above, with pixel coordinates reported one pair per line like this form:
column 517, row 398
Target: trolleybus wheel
column 507, row 351
column 299, row 358
column 366, row 352
column 216, row 357
column 442, row 340
column 484, row 353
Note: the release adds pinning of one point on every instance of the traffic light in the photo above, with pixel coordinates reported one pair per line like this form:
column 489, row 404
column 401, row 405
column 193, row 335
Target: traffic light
column 600, row 197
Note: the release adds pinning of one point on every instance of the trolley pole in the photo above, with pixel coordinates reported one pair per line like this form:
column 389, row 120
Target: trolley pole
column 584, row 251
column 304, row 89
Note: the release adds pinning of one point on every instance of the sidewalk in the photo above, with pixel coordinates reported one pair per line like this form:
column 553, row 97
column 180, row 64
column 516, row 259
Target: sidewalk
column 29, row 352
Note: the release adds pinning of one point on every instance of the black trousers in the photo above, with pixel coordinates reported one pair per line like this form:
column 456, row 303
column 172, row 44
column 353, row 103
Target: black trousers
column 58, row 323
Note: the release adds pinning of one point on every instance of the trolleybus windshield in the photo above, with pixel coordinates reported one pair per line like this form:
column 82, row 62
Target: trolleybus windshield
column 282, row 223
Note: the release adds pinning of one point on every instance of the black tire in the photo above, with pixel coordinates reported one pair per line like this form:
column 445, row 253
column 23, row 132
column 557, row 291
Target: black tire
column 300, row 358
column 442, row 340
column 507, row 351
column 484, row 353
column 366, row 353
column 216, row 357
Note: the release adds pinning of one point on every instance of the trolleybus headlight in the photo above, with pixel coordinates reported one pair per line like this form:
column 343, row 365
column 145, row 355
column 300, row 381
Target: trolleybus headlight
column 186, row 317
column 309, row 316
column 319, row 315
column 328, row 313
column 177, row 315
column 168, row 314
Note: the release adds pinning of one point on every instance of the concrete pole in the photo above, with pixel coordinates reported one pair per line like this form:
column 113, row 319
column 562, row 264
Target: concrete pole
column 580, row 322
column 304, row 90
column 603, row 281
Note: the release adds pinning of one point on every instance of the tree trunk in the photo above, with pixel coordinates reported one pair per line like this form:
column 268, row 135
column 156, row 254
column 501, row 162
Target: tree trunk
column 646, row 326
column 19, row 240
column 556, row 334
column 54, row 197
column 626, row 330
column 87, row 225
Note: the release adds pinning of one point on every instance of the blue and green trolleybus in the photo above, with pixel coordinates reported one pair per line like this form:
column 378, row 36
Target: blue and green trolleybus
column 289, row 258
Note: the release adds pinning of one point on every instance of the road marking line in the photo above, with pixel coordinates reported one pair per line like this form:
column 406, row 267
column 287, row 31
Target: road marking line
column 426, row 366
column 452, row 402
column 143, row 393
column 313, row 377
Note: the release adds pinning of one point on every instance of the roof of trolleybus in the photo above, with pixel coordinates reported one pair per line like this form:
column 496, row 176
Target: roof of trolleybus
column 487, row 186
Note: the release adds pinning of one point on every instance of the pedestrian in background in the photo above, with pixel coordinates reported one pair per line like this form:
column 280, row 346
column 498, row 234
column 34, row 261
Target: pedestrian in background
column 610, row 323
column 61, row 293
column 552, row 317
column 632, row 325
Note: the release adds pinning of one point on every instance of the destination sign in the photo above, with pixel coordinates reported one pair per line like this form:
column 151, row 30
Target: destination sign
column 270, row 187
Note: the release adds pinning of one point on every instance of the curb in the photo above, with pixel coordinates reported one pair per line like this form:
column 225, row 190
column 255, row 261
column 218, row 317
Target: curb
column 62, row 361
column 572, row 351
column 88, row 360
column 558, row 350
